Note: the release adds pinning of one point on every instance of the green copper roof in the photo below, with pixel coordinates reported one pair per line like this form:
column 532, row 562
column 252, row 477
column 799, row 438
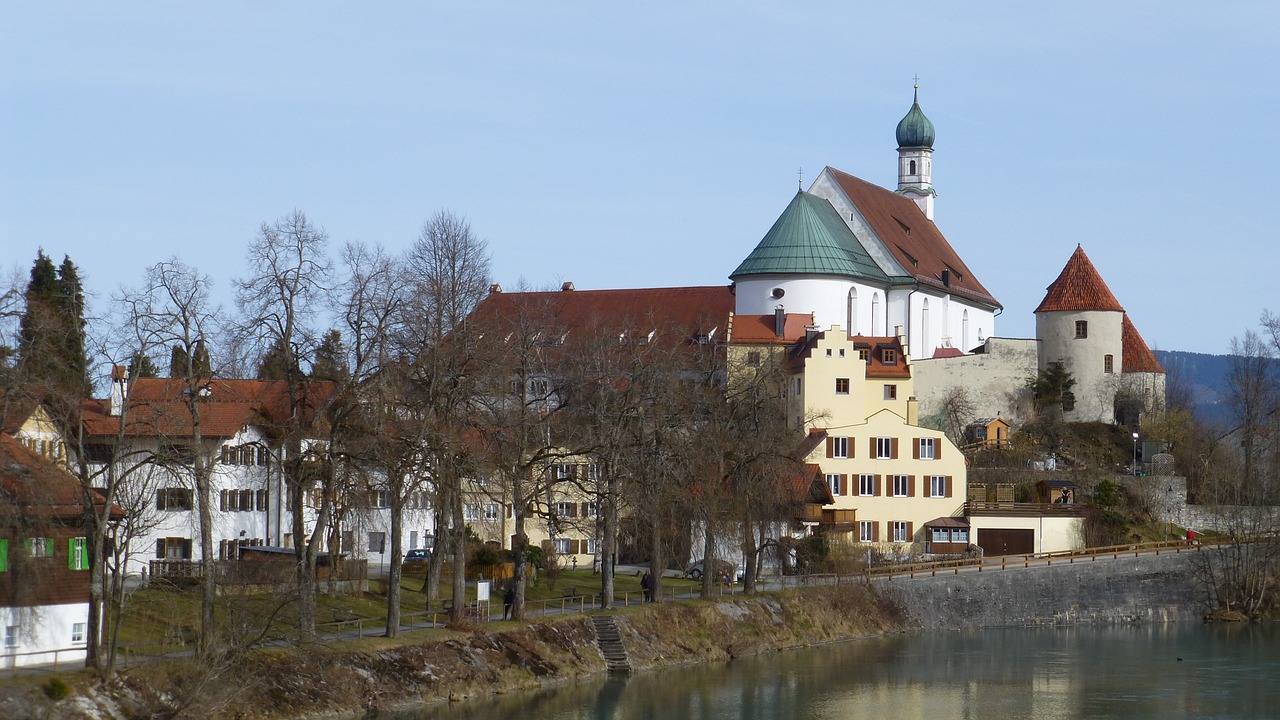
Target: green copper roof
column 809, row 238
column 915, row 130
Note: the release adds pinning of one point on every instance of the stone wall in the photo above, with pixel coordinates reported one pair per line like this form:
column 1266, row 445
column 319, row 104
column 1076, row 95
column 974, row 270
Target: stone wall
column 994, row 380
column 1150, row 588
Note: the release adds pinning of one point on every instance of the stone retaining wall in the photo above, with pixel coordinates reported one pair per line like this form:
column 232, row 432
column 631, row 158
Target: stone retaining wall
column 1150, row 588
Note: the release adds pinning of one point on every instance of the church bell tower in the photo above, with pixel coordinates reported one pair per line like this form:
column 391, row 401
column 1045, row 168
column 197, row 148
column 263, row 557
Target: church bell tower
column 915, row 157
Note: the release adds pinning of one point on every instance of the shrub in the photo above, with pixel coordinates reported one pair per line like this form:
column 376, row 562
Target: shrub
column 56, row 689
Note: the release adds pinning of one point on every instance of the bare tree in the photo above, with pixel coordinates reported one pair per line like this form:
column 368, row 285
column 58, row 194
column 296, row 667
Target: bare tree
column 287, row 287
column 450, row 270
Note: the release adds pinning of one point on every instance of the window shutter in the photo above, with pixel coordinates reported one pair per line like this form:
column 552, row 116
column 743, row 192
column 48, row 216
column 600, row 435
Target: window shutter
column 915, row 449
column 574, row 546
column 876, row 489
column 871, row 452
column 831, row 447
column 844, row 484
column 893, row 451
column 948, row 486
column 71, row 554
column 937, row 448
column 585, row 510
column 911, row 486
column 160, row 549
column 4, row 556
column 222, row 500
column 246, row 500
column 875, row 531
column 911, row 531
column 852, row 441
column 186, row 549
column 160, row 500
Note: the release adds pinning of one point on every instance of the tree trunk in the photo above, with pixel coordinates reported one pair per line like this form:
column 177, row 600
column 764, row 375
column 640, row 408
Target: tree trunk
column 609, row 533
column 657, row 557
column 459, row 547
column 397, row 554
column 306, row 590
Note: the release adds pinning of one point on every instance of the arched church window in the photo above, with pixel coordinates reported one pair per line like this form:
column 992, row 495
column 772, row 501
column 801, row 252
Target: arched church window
column 924, row 328
column 877, row 326
column 853, row 312
column 964, row 331
column 913, row 167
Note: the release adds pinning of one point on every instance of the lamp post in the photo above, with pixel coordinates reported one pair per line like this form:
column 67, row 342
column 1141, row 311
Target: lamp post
column 1135, row 454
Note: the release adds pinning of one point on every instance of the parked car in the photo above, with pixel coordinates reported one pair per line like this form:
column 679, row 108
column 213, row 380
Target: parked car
column 417, row 557
column 723, row 569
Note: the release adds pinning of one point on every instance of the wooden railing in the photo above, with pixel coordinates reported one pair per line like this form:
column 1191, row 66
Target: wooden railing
column 988, row 507
column 1006, row 562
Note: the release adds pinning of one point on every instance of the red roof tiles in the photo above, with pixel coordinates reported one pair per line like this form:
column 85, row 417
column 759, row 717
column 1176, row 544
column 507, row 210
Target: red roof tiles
column 1137, row 357
column 916, row 243
column 39, row 487
column 761, row 328
column 1079, row 287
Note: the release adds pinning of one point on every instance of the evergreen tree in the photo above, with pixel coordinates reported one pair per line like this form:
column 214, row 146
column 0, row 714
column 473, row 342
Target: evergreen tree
column 71, row 312
column 51, row 348
column 178, row 361
column 200, row 360
column 331, row 358
column 278, row 362
column 140, row 365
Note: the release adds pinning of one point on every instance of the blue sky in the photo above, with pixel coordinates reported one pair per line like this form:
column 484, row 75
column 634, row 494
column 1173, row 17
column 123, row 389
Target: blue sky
column 649, row 144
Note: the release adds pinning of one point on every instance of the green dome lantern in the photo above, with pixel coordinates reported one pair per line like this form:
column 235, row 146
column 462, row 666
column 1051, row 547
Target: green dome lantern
column 915, row 130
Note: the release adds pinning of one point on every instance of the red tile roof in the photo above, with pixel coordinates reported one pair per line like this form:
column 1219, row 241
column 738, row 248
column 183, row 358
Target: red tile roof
column 876, row 347
column 914, row 240
column 759, row 329
column 1137, row 357
column 39, row 487
column 1079, row 287
column 157, row 409
column 633, row 311
column 947, row 352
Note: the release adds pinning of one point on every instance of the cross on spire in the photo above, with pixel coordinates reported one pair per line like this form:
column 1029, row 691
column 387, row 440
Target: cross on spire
column 800, row 179
column 915, row 96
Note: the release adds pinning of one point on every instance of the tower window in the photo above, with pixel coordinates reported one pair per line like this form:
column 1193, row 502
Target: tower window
column 1108, row 363
column 1082, row 329
column 913, row 167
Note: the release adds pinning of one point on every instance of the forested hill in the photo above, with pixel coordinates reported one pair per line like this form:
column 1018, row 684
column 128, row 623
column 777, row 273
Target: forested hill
column 1206, row 376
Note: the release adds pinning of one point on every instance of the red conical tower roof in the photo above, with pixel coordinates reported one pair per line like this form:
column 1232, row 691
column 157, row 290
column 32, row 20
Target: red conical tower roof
column 1079, row 287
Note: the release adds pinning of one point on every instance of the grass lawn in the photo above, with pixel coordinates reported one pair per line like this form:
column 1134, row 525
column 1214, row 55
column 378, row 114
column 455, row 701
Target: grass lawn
column 164, row 618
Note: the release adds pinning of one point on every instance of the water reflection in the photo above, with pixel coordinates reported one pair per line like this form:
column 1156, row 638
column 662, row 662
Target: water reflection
column 1164, row 672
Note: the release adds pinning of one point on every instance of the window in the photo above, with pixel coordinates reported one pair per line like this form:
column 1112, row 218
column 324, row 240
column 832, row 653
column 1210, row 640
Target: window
column 77, row 554
column 938, row 486
column 928, row 448
column 867, row 485
column 262, row 499
column 901, row 485
column 564, row 472
column 377, row 542
column 562, row 546
column 913, row 168
column 842, row 386
column 380, row 499
column 589, row 546
column 828, row 352
column 753, row 358
column 10, row 637
column 591, row 510
column 890, row 392
column 1108, row 363
column 841, row 352
column 77, row 633
column 866, row 531
column 799, row 386
column 40, row 547
column 833, row 481
column 864, row 355
column 940, row 535
column 470, row 512
column 900, row 532
column 565, row 509
column 1082, row 329
column 246, row 501
column 960, row 535
column 889, row 357
column 884, row 448
column 839, row 447
column 173, row 548
column 492, row 511
column 173, row 499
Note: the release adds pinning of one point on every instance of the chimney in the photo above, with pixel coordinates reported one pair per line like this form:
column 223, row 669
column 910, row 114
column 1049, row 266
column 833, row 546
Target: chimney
column 913, row 411
column 810, row 332
column 119, row 388
column 946, row 278
column 566, row 287
column 780, row 322
column 494, row 289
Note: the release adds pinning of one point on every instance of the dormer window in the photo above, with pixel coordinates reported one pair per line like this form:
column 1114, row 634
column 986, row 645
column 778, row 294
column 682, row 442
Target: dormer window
column 889, row 357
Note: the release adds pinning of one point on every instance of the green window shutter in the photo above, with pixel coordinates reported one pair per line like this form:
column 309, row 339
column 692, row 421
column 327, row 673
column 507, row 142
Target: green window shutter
column 71, row 554
column 29, row 545
column 48, row 547
column 4, row 556
column 77, row 554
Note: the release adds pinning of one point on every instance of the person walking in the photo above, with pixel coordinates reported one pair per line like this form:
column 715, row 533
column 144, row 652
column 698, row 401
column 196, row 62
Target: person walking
column 508, row 599
column 646, row 584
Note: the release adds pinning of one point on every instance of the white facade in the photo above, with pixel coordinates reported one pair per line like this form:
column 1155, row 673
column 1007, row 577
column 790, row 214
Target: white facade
column 31, row 635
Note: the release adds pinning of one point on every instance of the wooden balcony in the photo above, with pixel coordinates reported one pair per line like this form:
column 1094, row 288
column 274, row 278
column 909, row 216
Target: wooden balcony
column 1016, row 509
column 810, row 513
column 832, row 516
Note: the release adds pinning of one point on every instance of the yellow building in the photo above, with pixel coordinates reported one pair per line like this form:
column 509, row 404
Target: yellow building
column 895, row 485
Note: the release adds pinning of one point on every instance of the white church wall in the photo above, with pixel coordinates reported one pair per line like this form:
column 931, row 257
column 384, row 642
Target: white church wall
column 994, row 380
column 826, row 298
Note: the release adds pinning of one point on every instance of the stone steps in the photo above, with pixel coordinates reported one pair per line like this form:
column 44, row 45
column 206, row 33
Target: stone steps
column 609, row 640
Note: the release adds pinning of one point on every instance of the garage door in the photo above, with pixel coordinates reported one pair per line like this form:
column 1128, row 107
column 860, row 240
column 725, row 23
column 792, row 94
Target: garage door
column 1006, row 541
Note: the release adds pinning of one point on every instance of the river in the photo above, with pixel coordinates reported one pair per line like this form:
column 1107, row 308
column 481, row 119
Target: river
column 1166, row 672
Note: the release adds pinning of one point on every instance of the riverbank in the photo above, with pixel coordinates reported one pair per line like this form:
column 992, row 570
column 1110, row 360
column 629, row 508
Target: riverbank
column 371, row 675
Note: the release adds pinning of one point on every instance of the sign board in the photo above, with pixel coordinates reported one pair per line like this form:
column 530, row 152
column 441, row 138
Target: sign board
column 482, row 591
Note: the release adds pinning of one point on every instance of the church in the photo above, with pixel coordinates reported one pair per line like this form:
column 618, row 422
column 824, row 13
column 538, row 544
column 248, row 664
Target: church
column 870, row 261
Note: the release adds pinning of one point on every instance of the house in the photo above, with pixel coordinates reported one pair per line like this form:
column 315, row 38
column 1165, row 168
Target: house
column 144, row 431
column 888, row 477
column 988, row 433
column 44, row 559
